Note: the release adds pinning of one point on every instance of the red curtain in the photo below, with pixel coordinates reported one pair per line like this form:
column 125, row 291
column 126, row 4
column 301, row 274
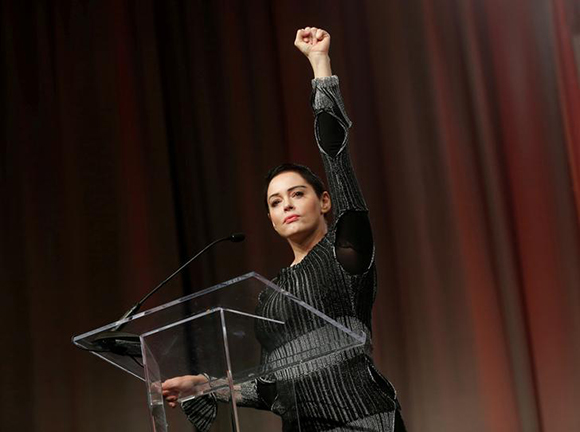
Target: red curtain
column 136, row 132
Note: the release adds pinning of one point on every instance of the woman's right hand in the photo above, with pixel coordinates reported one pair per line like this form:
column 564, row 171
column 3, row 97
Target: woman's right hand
column 175, row 388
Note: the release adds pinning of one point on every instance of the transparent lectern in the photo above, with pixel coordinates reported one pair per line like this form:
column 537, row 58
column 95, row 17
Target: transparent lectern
column 214, row 332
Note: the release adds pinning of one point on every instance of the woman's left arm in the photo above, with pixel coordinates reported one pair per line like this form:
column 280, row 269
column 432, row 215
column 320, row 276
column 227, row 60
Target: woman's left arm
column 354, row 244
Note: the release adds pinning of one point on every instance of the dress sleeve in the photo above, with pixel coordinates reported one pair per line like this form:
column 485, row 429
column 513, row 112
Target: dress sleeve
column 354, row 244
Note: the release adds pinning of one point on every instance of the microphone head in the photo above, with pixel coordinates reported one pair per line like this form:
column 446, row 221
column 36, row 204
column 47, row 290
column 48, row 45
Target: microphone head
column 237, row 237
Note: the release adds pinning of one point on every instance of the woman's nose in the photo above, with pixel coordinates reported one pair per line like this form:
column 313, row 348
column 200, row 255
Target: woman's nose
column 288, row 206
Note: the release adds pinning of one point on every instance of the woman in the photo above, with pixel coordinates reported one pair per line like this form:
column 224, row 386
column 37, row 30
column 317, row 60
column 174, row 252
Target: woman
column 333, row 271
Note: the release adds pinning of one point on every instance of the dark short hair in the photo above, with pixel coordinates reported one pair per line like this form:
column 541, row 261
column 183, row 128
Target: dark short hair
column 306, row 173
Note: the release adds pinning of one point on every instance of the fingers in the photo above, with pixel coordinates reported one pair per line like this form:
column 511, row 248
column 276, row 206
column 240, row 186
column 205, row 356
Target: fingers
column 316, row 34
column 172, row 388
column 170, row 396
column 300, row 36
column 310, row 35
column 171, row 399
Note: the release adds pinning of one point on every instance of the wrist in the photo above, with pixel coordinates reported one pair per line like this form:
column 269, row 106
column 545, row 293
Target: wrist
column 320, row 65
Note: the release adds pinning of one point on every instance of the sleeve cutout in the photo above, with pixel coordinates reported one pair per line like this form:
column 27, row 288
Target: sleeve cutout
column 330, row 132
column 354, row 242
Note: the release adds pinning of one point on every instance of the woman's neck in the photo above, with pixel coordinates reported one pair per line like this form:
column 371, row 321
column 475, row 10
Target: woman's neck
column 305, row 245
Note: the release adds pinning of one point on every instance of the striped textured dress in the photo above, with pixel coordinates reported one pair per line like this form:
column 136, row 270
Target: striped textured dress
column 344, row 391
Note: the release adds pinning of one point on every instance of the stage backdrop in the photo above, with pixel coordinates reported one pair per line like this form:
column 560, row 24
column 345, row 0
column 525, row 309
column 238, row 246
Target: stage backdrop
column 136, row 132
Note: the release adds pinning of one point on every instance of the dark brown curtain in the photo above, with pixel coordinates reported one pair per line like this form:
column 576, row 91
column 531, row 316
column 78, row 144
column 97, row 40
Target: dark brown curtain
column 134, row 133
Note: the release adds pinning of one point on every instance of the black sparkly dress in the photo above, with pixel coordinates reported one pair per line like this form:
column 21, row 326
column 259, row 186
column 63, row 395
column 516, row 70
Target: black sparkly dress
column 344, row 391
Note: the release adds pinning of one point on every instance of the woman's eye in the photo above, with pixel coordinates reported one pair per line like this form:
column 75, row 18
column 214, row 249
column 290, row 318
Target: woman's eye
column 274, row 203
column 298, row 194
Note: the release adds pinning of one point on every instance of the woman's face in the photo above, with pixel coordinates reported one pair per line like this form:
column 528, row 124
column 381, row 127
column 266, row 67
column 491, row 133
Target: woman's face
column 294, row 208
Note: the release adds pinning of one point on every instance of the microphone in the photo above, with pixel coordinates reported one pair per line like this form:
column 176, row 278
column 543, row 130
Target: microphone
column 237, row 237
column 129, row 344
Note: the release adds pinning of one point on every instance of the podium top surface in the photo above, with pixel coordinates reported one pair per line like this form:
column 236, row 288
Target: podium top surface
column 224, row 330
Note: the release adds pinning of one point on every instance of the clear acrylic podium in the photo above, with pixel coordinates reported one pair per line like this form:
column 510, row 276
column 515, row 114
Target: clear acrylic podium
column 212, row 332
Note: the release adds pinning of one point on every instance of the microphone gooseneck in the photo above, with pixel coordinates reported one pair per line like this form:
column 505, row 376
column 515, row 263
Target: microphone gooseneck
column 128, row 344
column 236, row 237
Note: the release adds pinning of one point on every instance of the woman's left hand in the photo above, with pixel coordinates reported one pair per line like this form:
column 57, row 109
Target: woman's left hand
column 312, row 41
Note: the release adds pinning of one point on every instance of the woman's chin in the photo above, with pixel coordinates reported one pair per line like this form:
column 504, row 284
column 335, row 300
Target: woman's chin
column 294, row 232
column 300, row 234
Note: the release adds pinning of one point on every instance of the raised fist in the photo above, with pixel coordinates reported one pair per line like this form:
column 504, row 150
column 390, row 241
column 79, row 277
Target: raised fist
column 312, row 41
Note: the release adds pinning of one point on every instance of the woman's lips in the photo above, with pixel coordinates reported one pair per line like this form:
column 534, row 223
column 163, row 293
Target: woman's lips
column 291, row 219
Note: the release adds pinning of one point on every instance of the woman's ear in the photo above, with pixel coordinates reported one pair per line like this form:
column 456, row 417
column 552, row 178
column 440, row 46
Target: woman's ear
column 325, row 202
